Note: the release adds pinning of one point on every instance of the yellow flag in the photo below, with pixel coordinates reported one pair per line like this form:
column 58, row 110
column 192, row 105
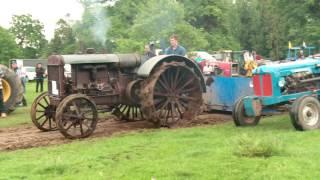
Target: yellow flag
column 304, row 44
column 289, row 45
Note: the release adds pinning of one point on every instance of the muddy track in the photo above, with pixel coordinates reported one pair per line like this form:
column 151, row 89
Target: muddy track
column 28, row 136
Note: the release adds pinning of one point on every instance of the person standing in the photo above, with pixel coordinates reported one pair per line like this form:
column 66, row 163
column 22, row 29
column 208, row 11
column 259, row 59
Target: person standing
column 174, row 47
column 39, row 77
column 2, row 107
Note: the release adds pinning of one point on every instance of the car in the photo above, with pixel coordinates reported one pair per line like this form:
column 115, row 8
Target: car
column 200, row 56
column 30, row 72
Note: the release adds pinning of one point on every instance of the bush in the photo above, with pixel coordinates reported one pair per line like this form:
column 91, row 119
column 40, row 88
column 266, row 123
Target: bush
column 247, row 146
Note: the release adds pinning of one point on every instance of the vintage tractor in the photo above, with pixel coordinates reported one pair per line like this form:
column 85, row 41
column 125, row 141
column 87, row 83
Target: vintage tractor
column 295, row 53
column 165, row 90
column 279, row 86
column 12, row 88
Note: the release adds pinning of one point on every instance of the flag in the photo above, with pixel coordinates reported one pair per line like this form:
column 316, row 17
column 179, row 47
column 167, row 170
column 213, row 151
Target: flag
column 304, row 44
column 289, row 45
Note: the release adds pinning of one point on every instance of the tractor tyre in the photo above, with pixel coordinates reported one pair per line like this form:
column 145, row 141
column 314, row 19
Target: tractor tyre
column 305, row 113
column 76, row 116
column 12, row 89
column 239, row 116
column 171, row 95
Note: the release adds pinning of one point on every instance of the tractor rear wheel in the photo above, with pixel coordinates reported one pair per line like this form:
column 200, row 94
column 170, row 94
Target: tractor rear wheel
column 239, row 115
column 12, row 88
column 43, row 113
column 171, row 94
column 305, row 113
column 76, row 116
column 128, row 112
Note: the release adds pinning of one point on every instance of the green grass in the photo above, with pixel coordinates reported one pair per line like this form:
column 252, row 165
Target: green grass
column 272, row 150
column 193, row 153
column 22, row 114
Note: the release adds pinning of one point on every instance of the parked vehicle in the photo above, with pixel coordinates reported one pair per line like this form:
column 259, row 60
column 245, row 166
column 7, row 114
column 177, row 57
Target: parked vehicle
column 30, row 72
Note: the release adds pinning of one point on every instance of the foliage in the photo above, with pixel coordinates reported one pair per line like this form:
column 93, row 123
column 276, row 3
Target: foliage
column 29, row 35
column 91, row 32
column 8, row 47
column 128, row 46
column 264, row 26
column 150, row 25
column 256, row 147
column 64, row 40
column 125, row 25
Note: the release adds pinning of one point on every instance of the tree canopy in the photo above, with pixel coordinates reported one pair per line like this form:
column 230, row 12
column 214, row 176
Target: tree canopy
column 8, row 47
column 29, row 35
column 264, row 26
column 125, row 26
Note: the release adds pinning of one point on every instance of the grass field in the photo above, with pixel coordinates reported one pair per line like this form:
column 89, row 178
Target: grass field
column 195, row 153
column 209, row 152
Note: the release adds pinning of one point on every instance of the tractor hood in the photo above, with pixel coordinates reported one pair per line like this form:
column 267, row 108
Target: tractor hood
column 120, row 60
column 284, row 69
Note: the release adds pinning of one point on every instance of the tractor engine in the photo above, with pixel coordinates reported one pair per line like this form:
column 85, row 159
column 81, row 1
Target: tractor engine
column 300, row 82
column 286, row 78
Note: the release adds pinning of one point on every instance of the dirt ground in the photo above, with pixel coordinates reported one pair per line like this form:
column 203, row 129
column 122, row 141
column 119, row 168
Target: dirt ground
column 28, row 136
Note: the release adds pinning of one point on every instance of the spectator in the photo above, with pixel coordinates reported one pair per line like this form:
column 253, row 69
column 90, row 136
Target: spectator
column 39, row 77
column 14, row 66
column 22, row 76
column 148, row 53
column 301, row 53
column 207, row 69
column 2, row 108
column 249, row 63
column 174, row 47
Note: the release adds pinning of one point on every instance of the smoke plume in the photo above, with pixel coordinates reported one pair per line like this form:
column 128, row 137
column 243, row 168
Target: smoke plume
column 101, row 23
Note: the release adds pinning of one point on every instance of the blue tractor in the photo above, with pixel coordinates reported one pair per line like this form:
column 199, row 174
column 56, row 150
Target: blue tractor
column 295, row 53
column 294, row 84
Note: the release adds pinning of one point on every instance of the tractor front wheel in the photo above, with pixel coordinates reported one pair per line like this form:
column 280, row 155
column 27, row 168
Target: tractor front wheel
column 239, row 115
column 305, row 113
column 76, row 116
column 43, row 113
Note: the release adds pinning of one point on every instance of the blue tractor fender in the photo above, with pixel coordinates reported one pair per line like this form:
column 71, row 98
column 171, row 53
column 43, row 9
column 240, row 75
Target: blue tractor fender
column 147, row 68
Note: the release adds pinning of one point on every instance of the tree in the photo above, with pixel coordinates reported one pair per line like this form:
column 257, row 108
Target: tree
column 64, row 41
column 8, row 46
column 91, row 31
column 265, row 26
column 149, row 26
column 29, row 35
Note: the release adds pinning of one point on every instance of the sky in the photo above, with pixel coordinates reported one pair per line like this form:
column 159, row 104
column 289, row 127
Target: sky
column 47, row 11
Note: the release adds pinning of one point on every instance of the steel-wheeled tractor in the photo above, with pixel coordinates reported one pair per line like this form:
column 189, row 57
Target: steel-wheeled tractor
column 165, row 90
column 294, row 85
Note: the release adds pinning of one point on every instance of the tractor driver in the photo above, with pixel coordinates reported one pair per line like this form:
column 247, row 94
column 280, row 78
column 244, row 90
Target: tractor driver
column 174, row 47
column 249, row 63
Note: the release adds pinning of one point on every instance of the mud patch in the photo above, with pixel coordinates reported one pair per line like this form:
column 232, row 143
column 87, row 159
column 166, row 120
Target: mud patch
column 28, row 136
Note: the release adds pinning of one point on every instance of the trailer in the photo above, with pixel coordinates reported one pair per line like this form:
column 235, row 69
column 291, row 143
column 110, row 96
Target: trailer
column 223, row 92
